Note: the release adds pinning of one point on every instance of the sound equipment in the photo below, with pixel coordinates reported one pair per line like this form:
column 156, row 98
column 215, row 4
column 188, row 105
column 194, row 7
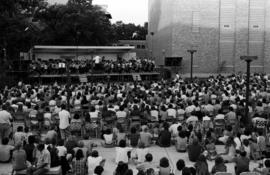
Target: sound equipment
column 173, row 61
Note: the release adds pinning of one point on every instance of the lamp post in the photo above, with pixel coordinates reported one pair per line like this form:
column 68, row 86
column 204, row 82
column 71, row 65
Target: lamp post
column 191, row 63
column 163, row 53
column 248, row 60
column 152, row 35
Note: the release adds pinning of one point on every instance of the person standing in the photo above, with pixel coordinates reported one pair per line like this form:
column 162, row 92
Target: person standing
column 5, row 124
column 64, row 117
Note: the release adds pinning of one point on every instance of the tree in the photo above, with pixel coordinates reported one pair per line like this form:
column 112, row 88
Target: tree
column 76, row 23
column 129, row 31
column 15, row 17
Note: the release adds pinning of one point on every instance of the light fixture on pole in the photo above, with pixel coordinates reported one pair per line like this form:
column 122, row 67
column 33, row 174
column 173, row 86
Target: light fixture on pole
column 248, row 60
column 191, row 51
column 163, row 54
column 152, row 37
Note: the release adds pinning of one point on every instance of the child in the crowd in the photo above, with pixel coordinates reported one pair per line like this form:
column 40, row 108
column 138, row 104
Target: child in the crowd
column 164, row 166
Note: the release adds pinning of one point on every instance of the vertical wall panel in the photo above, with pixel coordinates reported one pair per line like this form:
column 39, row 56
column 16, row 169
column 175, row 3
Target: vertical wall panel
column 227, row 31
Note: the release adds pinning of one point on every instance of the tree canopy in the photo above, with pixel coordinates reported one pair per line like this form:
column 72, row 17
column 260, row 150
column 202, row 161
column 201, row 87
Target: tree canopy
column 129, row 31
column 24, row 23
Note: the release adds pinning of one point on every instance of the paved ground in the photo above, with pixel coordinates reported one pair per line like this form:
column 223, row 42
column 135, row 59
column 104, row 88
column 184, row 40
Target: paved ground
column 109, row 154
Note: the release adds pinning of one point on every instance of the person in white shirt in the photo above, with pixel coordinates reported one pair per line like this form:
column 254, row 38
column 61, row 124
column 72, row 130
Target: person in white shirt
column 5, row 125
column 64, row 117
column 141, row 152
column 94, row 114
column 122, row 152
column 171, row 111
column 93, row 161
column 121, row 113
column 62, row 150
column 174, row 128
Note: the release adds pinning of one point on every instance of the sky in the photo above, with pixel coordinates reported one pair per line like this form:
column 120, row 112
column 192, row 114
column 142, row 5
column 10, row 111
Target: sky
column 128, row 11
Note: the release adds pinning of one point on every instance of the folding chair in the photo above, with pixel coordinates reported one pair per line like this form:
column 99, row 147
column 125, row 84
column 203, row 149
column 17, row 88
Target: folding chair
column 223, row 173
column 249, row 173
column 135, row 122
column 95, row 126
column 219, row 126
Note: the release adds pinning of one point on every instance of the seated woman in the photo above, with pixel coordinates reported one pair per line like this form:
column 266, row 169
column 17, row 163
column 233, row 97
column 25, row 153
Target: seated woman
column 19, row 161
column 211, row 150
column 5, row 151
column 79, row 163
column 122, row 152
column 76, row 124
column 230, row 150
column 164, row 139
column 181, row 142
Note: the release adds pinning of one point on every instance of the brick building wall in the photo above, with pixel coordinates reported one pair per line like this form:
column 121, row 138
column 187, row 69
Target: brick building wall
column 221, row 31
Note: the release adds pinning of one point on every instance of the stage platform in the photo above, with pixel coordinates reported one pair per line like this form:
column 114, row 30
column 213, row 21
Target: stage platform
column 136, row 76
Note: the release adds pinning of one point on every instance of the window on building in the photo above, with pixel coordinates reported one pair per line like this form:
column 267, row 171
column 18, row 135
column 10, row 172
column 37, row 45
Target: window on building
column 226, row 26
column 195, row 21
column 143, row 46
column 138, row 46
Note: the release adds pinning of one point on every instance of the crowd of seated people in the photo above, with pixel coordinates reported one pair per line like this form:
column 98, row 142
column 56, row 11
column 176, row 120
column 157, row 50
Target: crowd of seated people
column 54, row 126
column 97, row 65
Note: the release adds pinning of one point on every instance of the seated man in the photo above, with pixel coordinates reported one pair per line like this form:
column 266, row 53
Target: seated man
column 43, row 161
column 147, row 164
column 5, row 151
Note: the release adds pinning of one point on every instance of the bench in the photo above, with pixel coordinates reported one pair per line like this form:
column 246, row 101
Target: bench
column 53, row 171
